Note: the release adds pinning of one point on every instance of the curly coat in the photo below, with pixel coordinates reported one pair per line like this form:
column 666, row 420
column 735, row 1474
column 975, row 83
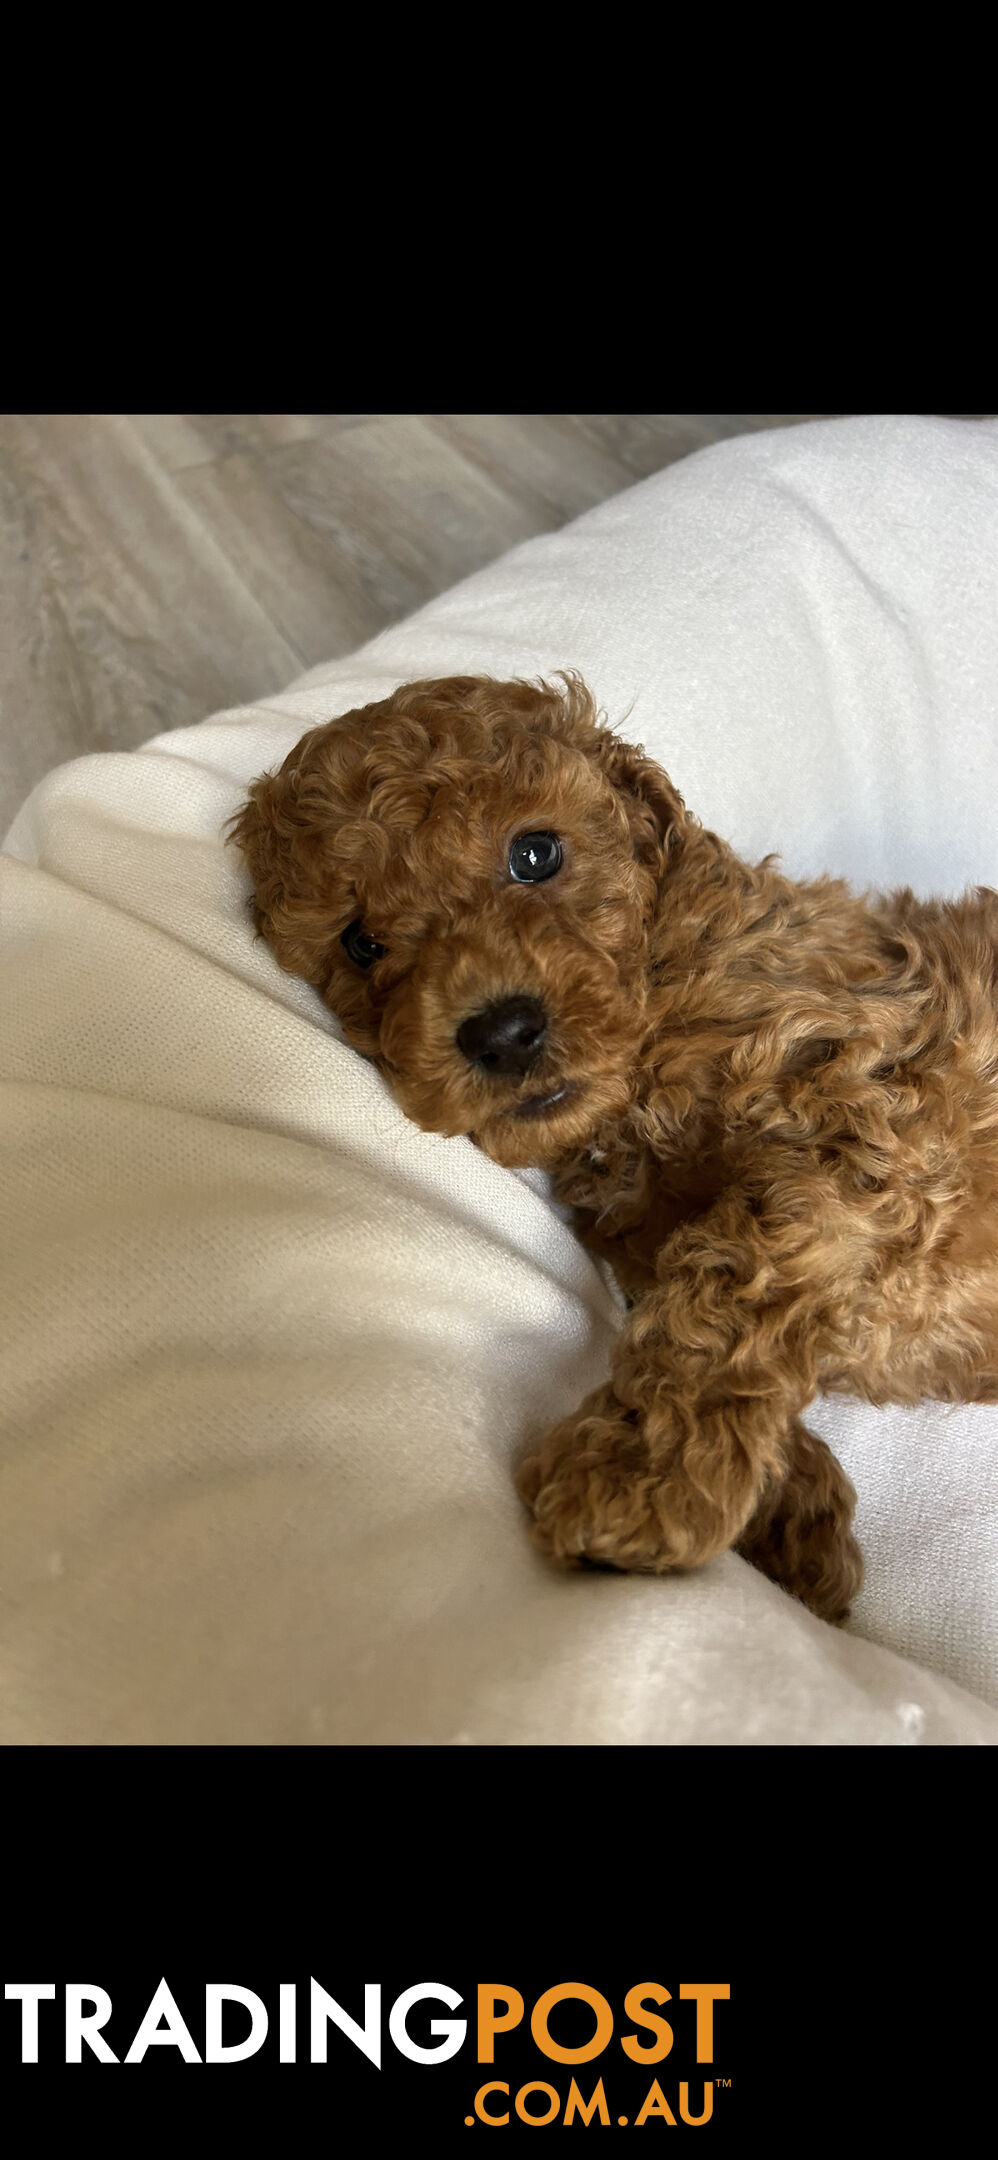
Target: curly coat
column 772, row 1104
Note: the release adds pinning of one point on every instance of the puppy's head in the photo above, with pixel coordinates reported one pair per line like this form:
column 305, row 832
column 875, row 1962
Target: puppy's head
column 467, row 873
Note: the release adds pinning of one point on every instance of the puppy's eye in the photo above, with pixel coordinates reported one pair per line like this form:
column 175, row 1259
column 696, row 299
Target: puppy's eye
column 360, row 948
column 535, row 856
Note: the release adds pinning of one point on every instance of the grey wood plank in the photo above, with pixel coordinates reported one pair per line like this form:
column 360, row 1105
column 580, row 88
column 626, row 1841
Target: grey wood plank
column 551, row 468
column 403, row 507
column 183, row 440
column 171, row 438
column 120, row 614
column 310, row 583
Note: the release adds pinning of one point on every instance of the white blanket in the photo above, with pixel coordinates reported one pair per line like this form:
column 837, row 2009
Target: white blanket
column 268, row 1351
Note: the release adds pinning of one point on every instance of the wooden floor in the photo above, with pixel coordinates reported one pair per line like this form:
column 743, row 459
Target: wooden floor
column 155, row 567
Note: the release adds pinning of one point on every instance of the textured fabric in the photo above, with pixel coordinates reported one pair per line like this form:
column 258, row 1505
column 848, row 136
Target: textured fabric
column 269, row 1351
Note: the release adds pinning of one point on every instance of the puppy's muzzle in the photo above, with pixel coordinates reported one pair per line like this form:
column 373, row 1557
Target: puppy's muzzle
column 507, row 1037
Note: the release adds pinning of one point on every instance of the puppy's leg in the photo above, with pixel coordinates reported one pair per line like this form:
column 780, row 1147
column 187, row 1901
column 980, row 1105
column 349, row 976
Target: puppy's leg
column 801, row 1536
column 670, row 1463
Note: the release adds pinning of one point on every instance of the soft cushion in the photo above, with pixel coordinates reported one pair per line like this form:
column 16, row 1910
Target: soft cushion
column 269, row 1351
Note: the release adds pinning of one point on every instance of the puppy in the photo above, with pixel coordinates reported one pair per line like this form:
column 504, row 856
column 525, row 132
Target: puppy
column 772, row 1104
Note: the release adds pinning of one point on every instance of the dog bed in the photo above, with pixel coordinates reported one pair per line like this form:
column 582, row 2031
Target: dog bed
column 270, row 1351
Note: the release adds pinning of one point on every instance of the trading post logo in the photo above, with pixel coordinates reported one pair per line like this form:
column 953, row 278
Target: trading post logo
column 645, row 2039
column 570, row 2057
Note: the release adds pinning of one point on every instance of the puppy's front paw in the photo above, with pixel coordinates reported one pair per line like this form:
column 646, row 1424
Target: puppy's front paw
column 801, row 1535
column 592, row 1495
column 819, row 1563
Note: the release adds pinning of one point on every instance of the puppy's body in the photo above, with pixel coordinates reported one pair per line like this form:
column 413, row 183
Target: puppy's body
column 834, row 1062
column 774, row 1105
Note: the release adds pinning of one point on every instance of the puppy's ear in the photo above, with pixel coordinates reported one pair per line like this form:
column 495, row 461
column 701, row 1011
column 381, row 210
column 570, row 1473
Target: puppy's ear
column 288, row 906
column 655, row 810
column 255, row 830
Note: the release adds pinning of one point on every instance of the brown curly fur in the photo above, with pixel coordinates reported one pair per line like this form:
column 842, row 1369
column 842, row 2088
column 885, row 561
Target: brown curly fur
column 782, row 1120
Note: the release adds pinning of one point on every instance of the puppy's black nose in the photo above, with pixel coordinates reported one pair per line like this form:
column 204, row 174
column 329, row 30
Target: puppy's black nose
column 507, row 1037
